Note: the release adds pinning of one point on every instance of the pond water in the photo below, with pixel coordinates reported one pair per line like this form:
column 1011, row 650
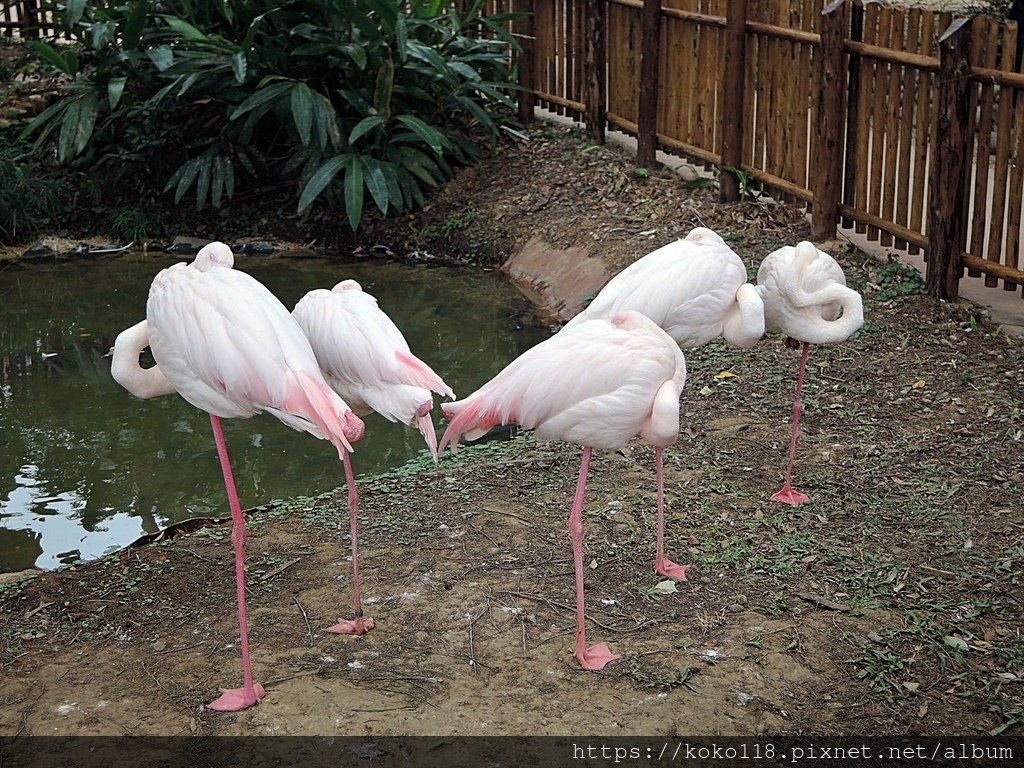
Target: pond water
column 85, row 467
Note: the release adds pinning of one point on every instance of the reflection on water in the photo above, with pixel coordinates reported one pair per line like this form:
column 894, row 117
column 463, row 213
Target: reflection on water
column 85, row 467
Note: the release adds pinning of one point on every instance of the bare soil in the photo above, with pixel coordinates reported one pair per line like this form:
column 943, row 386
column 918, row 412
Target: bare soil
column 889, row 604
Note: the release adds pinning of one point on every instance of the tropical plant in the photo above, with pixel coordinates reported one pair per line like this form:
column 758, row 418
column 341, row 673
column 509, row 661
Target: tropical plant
column 27, row 202
column 343, row 97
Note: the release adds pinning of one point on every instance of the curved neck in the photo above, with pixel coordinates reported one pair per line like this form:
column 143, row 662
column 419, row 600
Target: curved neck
column 745, row 322
column 124, row 367
column 832, row 331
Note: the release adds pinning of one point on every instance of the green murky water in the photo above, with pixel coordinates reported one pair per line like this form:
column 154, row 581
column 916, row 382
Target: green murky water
column 85, row 467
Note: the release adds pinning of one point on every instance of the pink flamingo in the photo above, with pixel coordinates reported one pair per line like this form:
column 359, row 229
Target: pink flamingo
column 696, row 289
column 805, row 297
column 366, row 360
column 224, row 343
column 598, row 384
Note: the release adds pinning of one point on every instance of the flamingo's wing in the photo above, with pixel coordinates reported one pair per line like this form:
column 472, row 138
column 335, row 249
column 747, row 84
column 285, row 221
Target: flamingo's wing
column 594, row 386
column 357, row 344
column 687, row 288
column 231, row 348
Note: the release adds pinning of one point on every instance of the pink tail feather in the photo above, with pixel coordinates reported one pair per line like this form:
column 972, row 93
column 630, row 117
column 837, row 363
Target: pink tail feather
column 317, row 402
column 466, row 416
column 422, row 375
column 426, row 427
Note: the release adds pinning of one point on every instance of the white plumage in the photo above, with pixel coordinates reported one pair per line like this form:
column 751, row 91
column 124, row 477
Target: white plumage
column 695, row 289
column 365, row 358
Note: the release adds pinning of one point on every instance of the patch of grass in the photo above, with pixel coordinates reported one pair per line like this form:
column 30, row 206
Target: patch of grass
column 662, row 681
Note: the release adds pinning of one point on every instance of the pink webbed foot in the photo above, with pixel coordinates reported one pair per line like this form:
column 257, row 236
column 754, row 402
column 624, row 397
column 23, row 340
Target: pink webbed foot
column 789, row 495
column 665, row 567
column 595, row 657
column 235, row 699
column 358, row 626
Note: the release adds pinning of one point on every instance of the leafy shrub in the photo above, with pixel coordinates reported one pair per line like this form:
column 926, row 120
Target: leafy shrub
column 344, row 96
column 27, row 203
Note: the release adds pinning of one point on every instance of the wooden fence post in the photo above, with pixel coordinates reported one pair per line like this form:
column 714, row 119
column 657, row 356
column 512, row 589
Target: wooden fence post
column 947, row 213
column 527, row 97
column 650, row 53
column 595, row 69
column 852, row 115
column 827, row 151
column 734, row 57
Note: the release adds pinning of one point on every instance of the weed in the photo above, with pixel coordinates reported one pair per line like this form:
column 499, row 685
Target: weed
column 660, row 681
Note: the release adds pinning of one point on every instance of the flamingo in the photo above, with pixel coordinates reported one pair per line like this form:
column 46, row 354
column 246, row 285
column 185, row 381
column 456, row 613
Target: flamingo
column 696, row 289
column 598, row 384
column 805, row 297
column 366, row 359
column 223, row 342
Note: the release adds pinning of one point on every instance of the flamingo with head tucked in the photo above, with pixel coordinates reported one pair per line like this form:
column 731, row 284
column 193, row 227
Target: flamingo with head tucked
column 805, row 297
column 695, row 289
column 224, row 343
column 598, row 384
column 366, row 359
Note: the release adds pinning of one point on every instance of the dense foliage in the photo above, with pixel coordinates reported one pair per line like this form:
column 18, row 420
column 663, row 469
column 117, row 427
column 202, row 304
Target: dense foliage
column 341, row 97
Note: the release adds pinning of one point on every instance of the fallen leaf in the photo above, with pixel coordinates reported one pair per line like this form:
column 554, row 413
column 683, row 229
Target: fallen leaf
column 666, row 587
column 918, row 384
column 955, row 641
column 593, row 565
column 911, row 686
column 724, row 375
column 706, row 390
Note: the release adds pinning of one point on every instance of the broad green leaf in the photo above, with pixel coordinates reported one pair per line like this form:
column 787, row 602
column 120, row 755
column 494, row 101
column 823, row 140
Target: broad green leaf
column 73, row 12
column 101, row 34
column 239, row 66
column 77, row 125
column 115, row 88
column 354, row 190
column 382, row 91
column 376, row 183
column 465, row 70
column 203, row 180
column 262, row 96
column 188, row 173
column 51, row 57
column 364, row 126
column 401, row 40
column 135, row 23
column 184, row 29
column 302, row 111
column 431, row 136
column 217, row 181
column 319, row 181
column 162, row 57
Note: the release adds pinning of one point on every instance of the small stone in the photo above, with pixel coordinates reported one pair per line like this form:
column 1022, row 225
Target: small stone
column 159, row 645
column 735, row 608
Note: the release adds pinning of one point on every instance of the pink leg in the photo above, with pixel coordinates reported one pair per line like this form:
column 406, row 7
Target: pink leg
column 595, row 657
column 789, row 495
column 359, row 625
column 234, row 699
column 662, row 565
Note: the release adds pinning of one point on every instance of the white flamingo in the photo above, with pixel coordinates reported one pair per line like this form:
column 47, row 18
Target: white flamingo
column 599, row 385
column 224, row 343
column 805, row 297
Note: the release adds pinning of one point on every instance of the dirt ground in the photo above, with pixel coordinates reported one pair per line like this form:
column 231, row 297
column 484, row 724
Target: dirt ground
column 890, row 604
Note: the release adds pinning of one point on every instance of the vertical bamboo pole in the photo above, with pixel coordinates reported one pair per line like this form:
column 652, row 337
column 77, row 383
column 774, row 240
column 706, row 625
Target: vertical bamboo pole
column 827, row 153
column 650, row 54
column 854, row 116
column 594, row 57
column 734, row 53
column 947, row 214
column 527, row 98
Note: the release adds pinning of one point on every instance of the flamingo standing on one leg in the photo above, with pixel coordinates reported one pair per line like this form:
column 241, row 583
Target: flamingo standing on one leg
column 366, row 360
column 224, row 342
column 598, row 385
column 696, row 289
column 805, row 297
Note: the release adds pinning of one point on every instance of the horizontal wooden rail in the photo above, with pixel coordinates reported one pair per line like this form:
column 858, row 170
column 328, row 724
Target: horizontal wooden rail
column 788, row 187
column 927, row 63
column 560, row 101
column 784, row 33
column 993, row 268
column 896, row 230
column 987, row 75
